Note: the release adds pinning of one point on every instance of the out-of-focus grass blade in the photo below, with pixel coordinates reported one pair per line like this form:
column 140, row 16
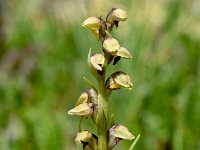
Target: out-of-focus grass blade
column 134, row 142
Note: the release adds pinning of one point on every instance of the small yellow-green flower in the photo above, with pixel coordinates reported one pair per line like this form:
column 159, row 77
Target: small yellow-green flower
column 119, row 14
column 114, row 16
column 111, row 45
column 94, row 24
column 117, row 80
column 84, row 109
column 88, row 140
column 97, row 61
column 118, row 132
column 121, row 132
column 84, row 136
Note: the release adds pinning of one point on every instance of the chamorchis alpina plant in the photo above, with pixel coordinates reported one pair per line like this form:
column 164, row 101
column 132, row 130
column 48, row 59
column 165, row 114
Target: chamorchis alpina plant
column 93, row 102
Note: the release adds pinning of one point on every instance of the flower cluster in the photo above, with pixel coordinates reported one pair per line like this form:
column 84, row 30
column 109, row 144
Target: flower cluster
column 94, row 101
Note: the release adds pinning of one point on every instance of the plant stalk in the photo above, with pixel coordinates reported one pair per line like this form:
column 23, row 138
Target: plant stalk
column 102, row 114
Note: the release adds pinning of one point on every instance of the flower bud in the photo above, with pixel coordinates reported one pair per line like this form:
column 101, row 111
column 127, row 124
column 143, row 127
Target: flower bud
column 111, row 45
column 117, row 80
column 118, row 132
column 92, row 23
column 84, row 109
column 97, row 61
column 123, row 52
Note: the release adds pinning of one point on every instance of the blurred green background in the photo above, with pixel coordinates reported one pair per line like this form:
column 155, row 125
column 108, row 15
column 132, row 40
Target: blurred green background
column 43, row 53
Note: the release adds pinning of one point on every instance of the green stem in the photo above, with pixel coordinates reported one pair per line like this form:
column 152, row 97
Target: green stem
column 102, row 114
column 102, row 99
column 102, row 109
column 79, row 125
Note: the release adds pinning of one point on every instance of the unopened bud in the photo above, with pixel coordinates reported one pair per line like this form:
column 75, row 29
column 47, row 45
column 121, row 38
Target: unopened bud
column 84, row 109
column 111, row 45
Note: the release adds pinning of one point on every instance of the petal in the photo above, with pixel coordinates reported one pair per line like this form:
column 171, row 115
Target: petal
column 111, row 84
column 123, row 52
column 119, row 14
column 122, row 132
column 97, row 61
column 96, row 33
column 82, row 110
column 84, row 136
column 93, row 96
column 92, row 23
column 82, row 99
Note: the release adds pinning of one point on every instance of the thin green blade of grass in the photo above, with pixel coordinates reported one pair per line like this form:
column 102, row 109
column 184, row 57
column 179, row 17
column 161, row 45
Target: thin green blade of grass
column 134, row 142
